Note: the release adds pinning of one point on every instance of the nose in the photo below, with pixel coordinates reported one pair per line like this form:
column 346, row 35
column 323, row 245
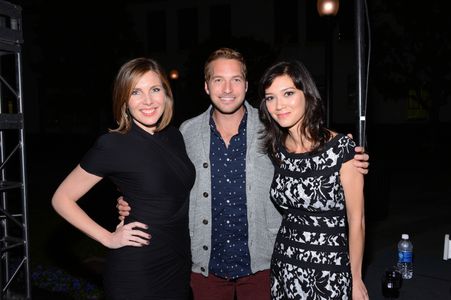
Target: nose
column 227, row 87
column 147, row 99
column 279, row 104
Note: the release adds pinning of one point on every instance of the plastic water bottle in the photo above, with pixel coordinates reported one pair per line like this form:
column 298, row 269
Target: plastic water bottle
column 405, row 257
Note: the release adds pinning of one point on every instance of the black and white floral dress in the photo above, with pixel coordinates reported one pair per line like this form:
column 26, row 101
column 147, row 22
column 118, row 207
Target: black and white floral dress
column 311, row 257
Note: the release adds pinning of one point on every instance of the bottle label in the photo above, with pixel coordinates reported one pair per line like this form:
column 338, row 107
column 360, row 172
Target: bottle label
column 405, row 256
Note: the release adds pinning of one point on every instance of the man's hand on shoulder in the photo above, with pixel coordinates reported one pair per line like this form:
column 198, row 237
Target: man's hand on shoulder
column 123, row 208
column 360, row 159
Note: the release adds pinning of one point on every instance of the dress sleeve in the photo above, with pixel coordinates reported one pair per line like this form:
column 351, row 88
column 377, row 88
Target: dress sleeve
column 347, row 146
column 100, row 158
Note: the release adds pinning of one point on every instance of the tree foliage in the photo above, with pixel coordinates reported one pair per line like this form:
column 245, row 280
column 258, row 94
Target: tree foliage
column 411, row 50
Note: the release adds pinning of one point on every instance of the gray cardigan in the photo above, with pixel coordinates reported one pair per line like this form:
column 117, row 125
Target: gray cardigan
column 263, row 219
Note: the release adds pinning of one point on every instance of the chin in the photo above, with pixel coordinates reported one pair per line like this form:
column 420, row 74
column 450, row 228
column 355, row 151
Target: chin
column 148, row 123
column 285, row 124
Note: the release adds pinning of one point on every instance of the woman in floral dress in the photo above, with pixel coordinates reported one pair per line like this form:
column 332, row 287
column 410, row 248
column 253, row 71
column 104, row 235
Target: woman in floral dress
column 319, row 248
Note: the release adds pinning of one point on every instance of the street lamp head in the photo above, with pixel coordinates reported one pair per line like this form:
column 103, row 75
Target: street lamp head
column 327, row 7
column 174, row 74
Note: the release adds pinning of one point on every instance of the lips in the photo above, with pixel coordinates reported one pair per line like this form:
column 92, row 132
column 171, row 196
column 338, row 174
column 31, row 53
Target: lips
column 227, row 98
column 148, row 112
column 282, row 115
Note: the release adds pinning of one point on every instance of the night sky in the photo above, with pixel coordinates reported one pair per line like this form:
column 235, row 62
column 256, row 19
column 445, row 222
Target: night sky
column 73, row 50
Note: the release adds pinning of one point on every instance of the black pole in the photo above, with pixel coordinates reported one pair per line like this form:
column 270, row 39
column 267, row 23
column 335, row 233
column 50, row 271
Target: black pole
column 329, row 70
column 361, row 70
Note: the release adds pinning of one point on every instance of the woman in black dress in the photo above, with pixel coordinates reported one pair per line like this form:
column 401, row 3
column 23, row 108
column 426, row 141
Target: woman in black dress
column 319, row 247
column 145, row 157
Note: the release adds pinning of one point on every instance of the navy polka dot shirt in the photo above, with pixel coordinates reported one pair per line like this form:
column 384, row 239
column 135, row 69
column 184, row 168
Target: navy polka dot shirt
column 230, row 252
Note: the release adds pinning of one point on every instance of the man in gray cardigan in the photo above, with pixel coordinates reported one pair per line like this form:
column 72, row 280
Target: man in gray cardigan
column 262, row 218
column 232, row 221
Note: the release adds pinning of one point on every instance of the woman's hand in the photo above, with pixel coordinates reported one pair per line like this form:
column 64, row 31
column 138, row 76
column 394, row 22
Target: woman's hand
column 129, row 235
column 359, row 291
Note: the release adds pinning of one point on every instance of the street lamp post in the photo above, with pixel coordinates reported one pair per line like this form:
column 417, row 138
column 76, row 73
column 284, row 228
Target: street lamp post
column 361, row 70
column 328, row 9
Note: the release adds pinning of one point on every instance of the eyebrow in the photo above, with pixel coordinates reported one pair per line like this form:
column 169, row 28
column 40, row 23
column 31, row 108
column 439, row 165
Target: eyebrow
column 151, row 87
column 287, row 88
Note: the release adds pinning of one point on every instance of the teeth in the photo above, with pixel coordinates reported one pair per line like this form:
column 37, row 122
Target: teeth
column 148, row 111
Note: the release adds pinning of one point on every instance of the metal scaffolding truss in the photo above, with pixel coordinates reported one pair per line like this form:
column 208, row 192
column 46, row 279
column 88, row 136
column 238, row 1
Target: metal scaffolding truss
column 14, row 245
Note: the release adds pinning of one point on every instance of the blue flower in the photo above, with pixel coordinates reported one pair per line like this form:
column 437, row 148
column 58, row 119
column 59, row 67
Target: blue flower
column 57, row 280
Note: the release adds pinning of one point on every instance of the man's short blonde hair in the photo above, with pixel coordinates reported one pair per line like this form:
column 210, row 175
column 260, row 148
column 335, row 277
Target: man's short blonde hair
column 225, row 53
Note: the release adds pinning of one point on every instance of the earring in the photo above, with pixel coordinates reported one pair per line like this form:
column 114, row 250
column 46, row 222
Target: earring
column 125, row 112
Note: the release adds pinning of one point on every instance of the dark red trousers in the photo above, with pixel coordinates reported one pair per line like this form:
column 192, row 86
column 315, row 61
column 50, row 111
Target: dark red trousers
column 252, row 287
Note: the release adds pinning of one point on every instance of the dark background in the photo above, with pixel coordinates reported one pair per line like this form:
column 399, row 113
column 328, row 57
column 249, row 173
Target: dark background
column 72, row 51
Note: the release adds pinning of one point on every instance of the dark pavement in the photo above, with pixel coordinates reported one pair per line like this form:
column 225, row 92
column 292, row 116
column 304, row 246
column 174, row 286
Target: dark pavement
column 409, row 192
column 426, row 221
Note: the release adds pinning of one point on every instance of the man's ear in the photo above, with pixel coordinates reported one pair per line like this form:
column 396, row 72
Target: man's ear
column 247, row 84
column 206, row 88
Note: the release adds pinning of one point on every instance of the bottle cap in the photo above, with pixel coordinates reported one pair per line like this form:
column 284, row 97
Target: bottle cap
column 405, row 236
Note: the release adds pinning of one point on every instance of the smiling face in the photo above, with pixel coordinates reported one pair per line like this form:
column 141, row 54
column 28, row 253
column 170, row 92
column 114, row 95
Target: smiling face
column 285, row 103
column 147, row 101
column 227, row 85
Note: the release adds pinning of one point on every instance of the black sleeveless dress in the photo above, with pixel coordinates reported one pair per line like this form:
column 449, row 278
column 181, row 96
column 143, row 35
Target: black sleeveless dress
column 311, row 257
column 155, row 176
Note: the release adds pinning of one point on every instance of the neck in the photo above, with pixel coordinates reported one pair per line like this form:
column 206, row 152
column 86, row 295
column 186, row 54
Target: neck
column 149, row 128
column 296, row 142
column 228, row 121
column 228, row 124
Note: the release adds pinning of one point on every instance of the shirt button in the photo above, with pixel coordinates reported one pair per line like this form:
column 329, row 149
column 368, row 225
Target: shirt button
column 205, row 247
column 205, row 194
column 205, row 165
column 202, row 269
column 205, row 221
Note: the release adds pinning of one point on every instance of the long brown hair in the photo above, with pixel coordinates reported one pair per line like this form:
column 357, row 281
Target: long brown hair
column 126, row 80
